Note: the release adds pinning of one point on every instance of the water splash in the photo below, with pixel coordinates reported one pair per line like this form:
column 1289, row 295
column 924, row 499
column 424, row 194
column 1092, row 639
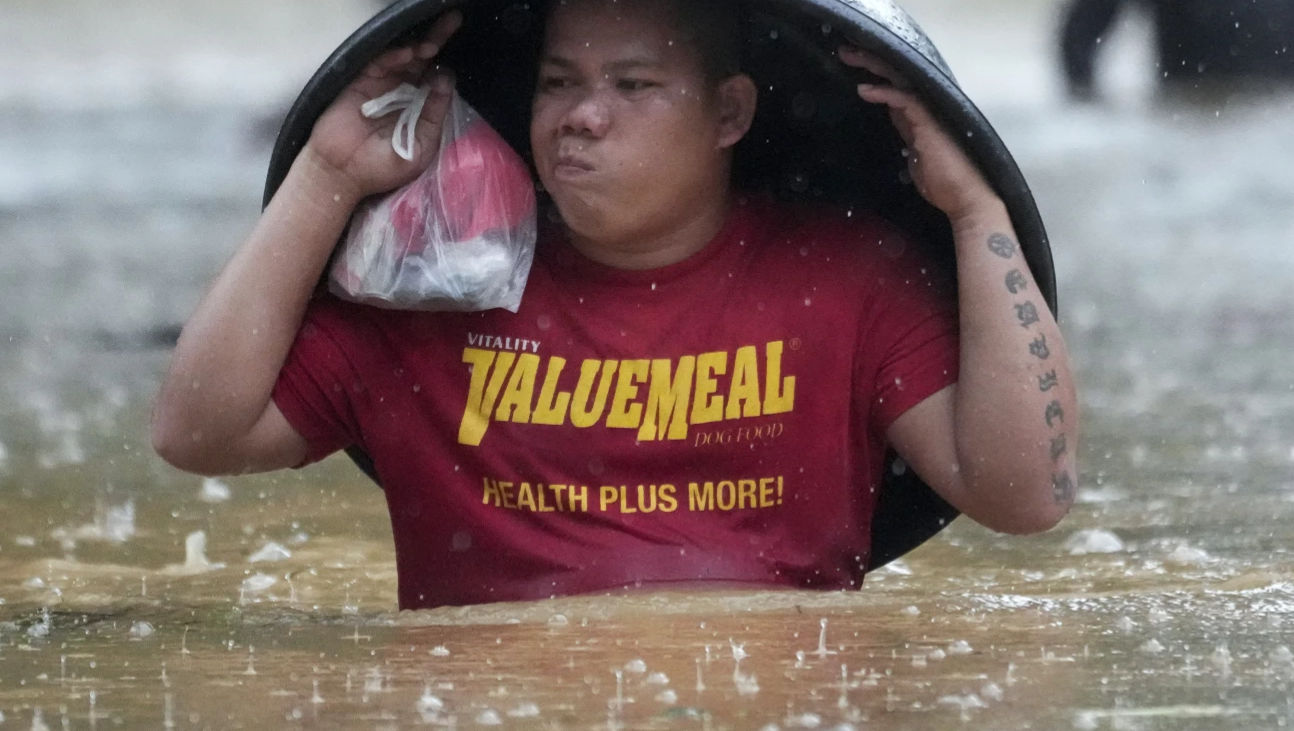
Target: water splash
column 214, row 490
column 271, row 551
column 822, row 650
column 1093, row 540
column 141, row 630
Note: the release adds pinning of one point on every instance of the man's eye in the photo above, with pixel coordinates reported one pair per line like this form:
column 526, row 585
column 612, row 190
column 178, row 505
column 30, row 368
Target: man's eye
column 554, row 83
column 634, row 84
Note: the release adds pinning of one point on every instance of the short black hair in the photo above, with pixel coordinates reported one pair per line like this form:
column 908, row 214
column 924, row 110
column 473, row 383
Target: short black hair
column 712, row 27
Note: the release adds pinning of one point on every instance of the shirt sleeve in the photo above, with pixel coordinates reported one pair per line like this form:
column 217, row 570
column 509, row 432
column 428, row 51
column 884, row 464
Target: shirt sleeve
column 316, row 387
column 910, row 339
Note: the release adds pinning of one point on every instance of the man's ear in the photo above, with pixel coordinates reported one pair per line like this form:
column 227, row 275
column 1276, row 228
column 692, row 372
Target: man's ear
column 737, row 97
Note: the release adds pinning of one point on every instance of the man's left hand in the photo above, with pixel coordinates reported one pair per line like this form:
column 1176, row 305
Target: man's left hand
column 940, row 169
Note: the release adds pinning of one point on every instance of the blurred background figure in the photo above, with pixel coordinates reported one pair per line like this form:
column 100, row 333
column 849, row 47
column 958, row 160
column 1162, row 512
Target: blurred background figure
column 1199, row 43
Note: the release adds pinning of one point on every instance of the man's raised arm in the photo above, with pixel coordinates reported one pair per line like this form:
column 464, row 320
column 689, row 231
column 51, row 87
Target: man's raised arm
column 214, row 412
column 1000, row 445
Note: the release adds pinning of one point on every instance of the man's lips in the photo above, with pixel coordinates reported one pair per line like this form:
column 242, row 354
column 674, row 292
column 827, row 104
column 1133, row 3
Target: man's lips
column 573, row 164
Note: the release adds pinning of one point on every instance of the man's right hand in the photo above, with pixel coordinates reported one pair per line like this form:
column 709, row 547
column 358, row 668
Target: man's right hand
column 354, row 151
column 215, row 412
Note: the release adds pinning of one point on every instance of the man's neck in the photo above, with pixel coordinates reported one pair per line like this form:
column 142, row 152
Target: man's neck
column 656, row 249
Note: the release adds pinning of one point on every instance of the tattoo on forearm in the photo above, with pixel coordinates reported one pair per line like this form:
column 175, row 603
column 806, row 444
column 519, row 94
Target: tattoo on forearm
column 1038, row 348
column 1026, row 313
column 1054, row 413
column 1015, row 281
column 1062, row 487
column 1059, row 446
column 1002, row 245
column 1048, row 381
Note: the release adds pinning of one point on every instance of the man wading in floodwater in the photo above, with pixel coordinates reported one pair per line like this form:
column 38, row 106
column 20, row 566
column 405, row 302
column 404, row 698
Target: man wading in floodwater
column 700, row 384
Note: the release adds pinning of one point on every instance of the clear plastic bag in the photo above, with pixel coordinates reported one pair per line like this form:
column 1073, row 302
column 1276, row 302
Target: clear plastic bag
column 460, row 237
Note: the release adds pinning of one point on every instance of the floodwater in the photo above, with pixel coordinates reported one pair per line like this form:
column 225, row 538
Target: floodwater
column 133, row 140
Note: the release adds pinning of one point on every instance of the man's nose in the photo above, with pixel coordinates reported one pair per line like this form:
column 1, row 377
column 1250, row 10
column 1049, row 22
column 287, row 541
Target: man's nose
column 589, row 114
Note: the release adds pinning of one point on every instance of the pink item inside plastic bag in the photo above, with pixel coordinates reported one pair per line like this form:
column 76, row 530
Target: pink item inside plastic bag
column 481, row 187
column 460, row 237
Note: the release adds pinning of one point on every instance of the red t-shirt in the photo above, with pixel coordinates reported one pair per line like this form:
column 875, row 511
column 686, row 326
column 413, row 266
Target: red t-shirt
column 721, row 419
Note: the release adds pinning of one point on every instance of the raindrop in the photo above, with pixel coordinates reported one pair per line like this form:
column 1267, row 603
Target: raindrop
column 738, row 651
column 525, row 710
column 804, row 720
column 1281, row 656
column 1151, row 646
column 1186, row 555
column 1221, row 659
column 270, row 552
column 141, row 630
column 428, row 703
column 822, row 650
column 1093, row 540
column 461, row 541
column 258, row 582
column 214, row 491
column 41, row 627
column 195, row 553
column 372, row 682
column 960, row 647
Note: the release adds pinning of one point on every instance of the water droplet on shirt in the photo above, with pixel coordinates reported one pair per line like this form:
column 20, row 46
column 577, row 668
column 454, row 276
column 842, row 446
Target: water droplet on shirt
column 461, row 541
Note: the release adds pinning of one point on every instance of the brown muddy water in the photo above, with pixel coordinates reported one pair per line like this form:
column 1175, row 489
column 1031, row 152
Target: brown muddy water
column 133, row 141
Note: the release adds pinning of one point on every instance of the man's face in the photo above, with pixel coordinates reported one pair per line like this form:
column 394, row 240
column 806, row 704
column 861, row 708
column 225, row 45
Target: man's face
column 626, row 136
